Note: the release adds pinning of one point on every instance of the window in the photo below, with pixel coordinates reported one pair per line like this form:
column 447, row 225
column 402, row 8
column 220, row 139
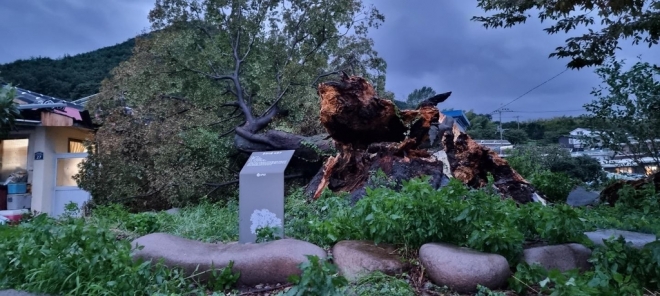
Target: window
column 76, row 146
column 14, row 156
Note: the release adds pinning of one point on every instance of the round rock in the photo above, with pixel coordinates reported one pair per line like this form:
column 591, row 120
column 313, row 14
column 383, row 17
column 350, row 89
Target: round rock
column 264, row 263
column 562, row 257
column 462, row 269
column 358, row 258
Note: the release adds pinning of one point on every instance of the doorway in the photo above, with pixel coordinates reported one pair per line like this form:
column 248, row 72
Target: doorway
column 66, row 187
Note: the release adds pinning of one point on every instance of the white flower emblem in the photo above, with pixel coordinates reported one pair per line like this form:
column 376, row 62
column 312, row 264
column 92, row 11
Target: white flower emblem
column 263, row 218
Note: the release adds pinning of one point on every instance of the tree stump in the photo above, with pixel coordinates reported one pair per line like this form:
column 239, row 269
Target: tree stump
column 372, row 134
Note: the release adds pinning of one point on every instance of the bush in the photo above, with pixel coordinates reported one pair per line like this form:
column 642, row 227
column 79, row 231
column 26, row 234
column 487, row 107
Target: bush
column 529, row 160
column 418, row 214
column 70, row 256
column 619, row 269
column 555, row 186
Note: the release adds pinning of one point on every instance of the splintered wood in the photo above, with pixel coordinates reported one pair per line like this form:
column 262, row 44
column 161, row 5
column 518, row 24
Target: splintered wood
column 371, row 134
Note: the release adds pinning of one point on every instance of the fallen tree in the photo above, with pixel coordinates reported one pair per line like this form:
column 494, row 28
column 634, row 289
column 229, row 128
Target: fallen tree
column 372, row 135
column 611, row 193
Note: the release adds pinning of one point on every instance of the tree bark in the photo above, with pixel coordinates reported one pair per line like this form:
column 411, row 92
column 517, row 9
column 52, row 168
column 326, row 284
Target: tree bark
column 371, row 134
column 610, row 194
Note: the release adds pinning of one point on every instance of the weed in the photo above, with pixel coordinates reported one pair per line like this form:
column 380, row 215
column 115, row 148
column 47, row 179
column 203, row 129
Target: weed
column 319, row 278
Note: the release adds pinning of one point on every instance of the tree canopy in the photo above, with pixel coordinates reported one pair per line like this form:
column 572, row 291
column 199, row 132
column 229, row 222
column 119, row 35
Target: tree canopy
column 627, row 109
column 217, row 78
column 419, row 95
column 638, row 20
column 8, row 110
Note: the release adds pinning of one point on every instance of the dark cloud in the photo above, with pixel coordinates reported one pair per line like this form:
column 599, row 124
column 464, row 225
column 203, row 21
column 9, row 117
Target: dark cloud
column 425, row 42
column 435, row 44
column 33, row 28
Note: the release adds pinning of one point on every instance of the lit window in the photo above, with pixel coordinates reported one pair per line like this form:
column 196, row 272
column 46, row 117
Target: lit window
column 76, row 146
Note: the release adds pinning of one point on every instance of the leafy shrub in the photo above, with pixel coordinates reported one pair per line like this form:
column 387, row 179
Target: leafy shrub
column 266, row 234
column 71, row 256
column 555, row 186
column 619, row 269
column 529, row 160
column 318, row 278
column 223, row 279
column 418, row 214
column 380, row 284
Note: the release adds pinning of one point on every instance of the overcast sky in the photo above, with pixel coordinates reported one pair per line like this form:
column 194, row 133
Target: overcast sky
column 428, row 43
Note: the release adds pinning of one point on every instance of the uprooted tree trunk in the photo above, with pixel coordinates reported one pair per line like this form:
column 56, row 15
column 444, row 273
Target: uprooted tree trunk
column 611, row 193
column 371, row 134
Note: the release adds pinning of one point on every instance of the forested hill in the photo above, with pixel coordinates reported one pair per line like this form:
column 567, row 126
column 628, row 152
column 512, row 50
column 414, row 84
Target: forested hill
column 70, row 77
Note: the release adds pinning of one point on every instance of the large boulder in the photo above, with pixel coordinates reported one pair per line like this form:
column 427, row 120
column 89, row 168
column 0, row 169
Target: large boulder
column 580, row 196
column 462, row 269
column 563, row 257
column 636, row 239
column 264, row 263
column 357, row 258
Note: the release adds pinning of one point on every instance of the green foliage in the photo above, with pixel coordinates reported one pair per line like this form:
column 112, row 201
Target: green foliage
column 68, row 77
column 266, row 234
column 419, row 95
column 74, row 257
column 616, row 20
column 205, row 222
column 530, row 160
column 418, row 214
column 483, row 291
column 8, row 110
column 482, row 126
column 516, row 136
column 555, row 186
column 626, row 109
column 380, row 284
column 619, row 269
column 319, row 278
column 208, row 69
column 223, row 280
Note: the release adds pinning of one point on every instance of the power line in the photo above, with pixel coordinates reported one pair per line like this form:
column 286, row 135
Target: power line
column 549, row 111
column 533, row 88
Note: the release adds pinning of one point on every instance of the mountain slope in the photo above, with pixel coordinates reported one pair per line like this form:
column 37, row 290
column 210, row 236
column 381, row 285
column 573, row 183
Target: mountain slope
column 70, row 77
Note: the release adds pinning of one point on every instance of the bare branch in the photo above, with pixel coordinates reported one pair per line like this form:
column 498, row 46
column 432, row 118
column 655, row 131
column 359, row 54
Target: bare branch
column 255, row 137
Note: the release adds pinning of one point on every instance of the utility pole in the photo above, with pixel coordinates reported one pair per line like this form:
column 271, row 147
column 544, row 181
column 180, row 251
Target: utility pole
column 518, row 120
column 500, row 111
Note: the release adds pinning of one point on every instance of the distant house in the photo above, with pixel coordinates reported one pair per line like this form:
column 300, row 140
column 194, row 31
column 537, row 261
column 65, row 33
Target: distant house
column 459, row 117
column 580, row 139
column 48, row 144
column 499, row 146
column 621, row 163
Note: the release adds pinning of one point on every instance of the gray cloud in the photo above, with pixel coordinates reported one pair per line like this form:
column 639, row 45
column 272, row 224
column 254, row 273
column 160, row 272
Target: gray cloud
column 428, row 43
column 33, row 28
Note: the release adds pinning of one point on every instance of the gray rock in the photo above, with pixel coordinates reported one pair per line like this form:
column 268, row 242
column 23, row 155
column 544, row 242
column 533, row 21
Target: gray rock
column 264, row 263
column 563, row 257
column 580, row 196
column 462, row 269
column 637, row 239
column 358, row 258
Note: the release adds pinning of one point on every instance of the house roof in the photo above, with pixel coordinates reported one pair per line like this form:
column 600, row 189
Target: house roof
column 32, row 103
column 458, row 115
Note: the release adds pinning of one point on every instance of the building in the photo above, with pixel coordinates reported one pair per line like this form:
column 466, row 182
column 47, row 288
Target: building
column 48, row 144
column 459, row 117
column 580, row 139
column 499, row 146
column 585, row 142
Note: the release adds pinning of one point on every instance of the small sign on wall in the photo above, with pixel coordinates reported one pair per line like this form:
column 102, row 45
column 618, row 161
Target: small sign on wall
column 39, row 155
